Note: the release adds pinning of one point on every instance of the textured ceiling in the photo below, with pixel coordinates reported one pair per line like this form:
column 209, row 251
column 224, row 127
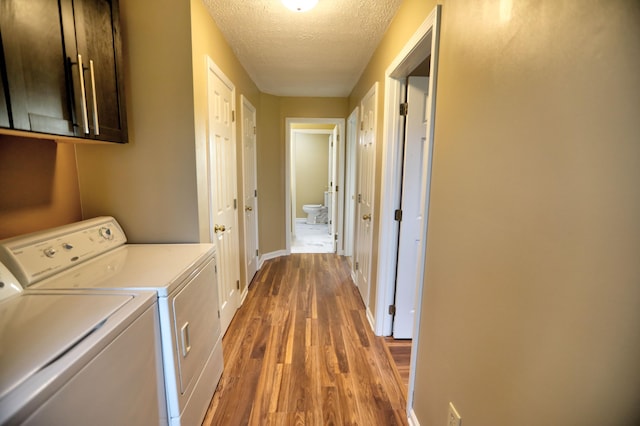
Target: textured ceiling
column 317, row 53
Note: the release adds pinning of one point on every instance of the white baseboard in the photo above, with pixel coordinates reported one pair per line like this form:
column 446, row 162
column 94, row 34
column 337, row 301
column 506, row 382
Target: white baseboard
column 371, row 320
column 413, row 420
column 244, row 295
column 268, row 256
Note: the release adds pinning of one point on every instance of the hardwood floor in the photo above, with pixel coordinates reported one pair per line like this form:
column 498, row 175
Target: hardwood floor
column 301, row 352
column 400, row 352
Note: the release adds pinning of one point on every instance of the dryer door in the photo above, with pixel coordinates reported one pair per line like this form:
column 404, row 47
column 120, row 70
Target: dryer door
column 197, row 326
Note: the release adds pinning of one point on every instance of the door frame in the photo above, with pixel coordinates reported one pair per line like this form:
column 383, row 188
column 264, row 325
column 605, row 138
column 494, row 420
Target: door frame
column 244, row 102
column 340, row 122
column 424, row 42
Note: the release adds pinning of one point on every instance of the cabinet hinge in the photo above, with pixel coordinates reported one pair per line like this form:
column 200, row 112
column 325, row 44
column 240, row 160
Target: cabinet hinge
column 398, row 215
column 392, row 310
column 404, row 109
column 357, row 266
column 238, row 284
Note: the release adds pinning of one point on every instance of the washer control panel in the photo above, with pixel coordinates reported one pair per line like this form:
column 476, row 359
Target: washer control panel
column 34, row 257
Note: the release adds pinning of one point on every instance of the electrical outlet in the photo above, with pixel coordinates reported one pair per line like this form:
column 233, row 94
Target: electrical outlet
column 453, row 419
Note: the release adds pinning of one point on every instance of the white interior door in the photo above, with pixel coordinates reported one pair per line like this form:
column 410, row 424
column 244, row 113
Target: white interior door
column 223, row 190
column 366, row 152
column 250, row 204
column 415, row 149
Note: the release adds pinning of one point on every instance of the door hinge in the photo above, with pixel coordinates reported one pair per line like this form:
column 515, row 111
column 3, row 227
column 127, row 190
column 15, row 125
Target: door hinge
column 218, row 314
column 398, row 215
column 254, row 130
column 256, row 253
column 359, row 198
column 330, row 222
column 335, row 237
column 404, row 109
column 392, row 310
column 215, row 268
column 255, row 192
column 235, row 204
column 233, row 116
column 337, row 188
column 362, row 125
column 238, row 284
column 357, row 266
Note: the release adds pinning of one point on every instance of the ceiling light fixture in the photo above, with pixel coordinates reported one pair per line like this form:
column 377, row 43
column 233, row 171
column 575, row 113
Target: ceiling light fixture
column 300, row 5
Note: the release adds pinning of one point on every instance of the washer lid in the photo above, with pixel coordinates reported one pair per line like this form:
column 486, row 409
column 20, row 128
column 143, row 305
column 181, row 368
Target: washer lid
column 36, row 330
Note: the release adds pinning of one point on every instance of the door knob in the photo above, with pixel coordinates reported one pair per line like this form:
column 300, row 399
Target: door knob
column 218, row 228
column 248, row 208
column 366, row 217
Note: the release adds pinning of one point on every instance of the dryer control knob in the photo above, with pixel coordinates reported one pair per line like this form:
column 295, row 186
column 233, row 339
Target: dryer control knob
column 106, row 233
column 49, row 252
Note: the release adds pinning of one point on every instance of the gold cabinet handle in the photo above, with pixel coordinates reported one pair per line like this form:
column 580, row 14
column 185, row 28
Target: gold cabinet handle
column 248, row 208
column 366, row 217
column 219, row 228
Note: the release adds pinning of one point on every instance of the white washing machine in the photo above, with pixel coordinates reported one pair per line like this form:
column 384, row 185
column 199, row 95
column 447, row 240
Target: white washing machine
column 92, row 255
column 79, row 357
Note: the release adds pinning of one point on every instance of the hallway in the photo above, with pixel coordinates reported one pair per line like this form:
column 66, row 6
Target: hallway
column 300, row 351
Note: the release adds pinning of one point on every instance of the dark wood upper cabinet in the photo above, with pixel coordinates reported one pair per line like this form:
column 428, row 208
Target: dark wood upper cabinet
column 64, row 68
column 4, row 106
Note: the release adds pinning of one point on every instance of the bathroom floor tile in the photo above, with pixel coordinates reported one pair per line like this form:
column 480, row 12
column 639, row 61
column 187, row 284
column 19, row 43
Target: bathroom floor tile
column 311, row 239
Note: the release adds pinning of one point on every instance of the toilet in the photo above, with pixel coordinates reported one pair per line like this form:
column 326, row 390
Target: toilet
column 317, row 213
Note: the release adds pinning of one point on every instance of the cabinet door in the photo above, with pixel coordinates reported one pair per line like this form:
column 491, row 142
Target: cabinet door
column 98, row 41
column 36, row 66
column 4, row 108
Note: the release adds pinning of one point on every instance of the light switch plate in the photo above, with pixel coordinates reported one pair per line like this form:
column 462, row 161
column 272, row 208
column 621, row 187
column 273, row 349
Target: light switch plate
column 453, row 418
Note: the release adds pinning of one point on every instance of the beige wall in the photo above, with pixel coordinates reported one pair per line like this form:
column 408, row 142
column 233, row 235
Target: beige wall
column 271, row 158
column 531, row 308
column 38, row 185
column 149, row 185
column 271, row 163
column 312, row 169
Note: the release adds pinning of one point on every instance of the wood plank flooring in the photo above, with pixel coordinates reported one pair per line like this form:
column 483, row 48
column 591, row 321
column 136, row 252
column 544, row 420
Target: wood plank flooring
column 400, row 351
column 301, row 352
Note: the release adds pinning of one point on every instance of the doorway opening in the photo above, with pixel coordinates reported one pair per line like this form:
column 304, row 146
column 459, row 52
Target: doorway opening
column 314, row 176
column 420, row 53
